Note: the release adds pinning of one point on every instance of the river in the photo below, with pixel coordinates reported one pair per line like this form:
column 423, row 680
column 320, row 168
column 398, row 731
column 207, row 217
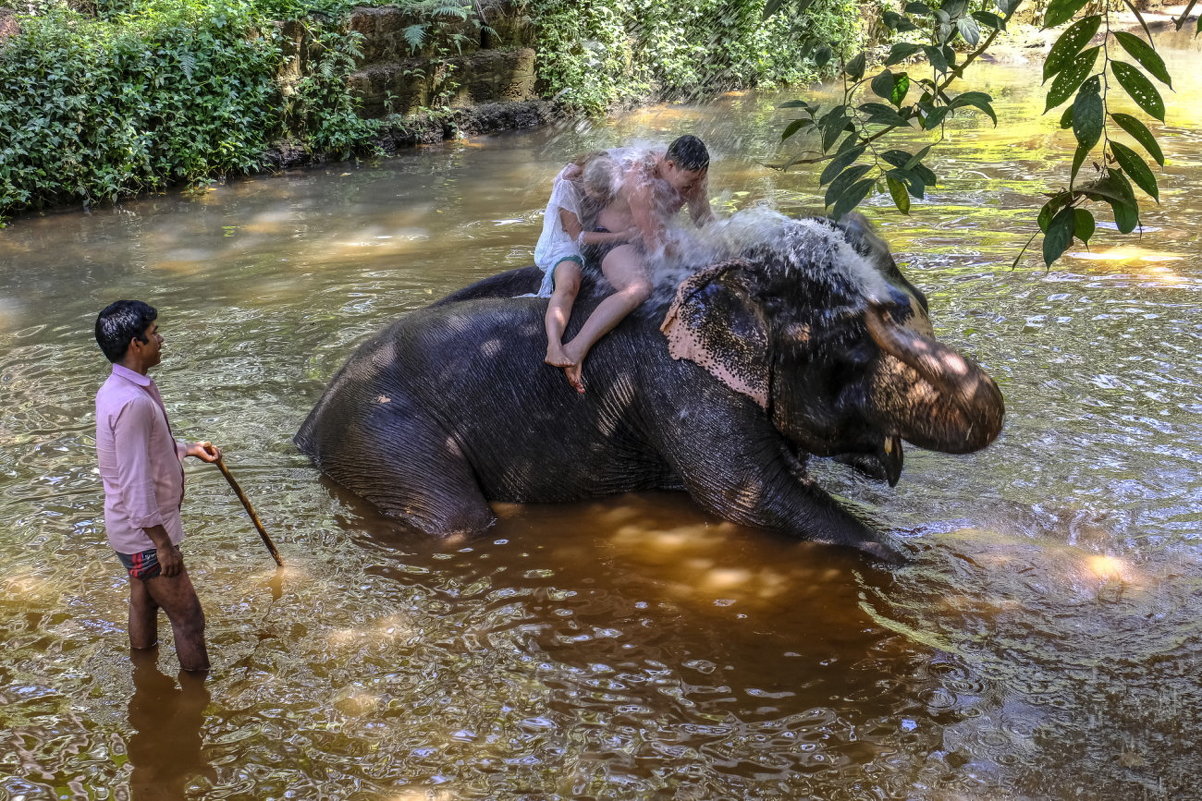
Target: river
column 1044, row 643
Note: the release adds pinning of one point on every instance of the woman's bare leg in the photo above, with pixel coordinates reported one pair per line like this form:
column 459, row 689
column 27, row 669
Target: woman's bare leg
column 559, row 310
column 626, row 270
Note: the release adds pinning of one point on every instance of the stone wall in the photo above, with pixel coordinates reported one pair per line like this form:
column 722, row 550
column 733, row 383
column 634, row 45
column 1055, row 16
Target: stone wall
column 459, row 64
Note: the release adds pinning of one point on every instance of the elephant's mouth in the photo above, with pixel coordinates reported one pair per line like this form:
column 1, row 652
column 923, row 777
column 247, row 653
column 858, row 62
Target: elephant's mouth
column 883, row 464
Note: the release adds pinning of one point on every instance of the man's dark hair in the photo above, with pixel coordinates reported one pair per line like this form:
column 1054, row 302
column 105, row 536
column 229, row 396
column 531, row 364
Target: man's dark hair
column 119, row 323
column 689, row 153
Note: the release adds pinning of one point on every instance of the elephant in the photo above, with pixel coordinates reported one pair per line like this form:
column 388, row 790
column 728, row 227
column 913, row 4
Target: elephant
column 806, row 341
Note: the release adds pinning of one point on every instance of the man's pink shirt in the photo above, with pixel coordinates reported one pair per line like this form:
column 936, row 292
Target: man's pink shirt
column 141, row 464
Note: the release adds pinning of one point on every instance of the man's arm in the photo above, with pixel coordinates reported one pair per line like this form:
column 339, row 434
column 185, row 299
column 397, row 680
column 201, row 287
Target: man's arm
column 699, row 203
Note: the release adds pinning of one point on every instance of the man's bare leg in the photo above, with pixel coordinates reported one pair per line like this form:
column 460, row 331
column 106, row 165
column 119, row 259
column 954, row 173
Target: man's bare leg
column 626, row 271
column 559, row 310
column 177, row 597
column 143, row 617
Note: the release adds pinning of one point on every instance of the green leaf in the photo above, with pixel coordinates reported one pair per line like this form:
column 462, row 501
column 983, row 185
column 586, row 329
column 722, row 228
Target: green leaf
column 1066, row 119
column 1007, row 7
column 1051, row 207
column 1140, row 88
column 969, row 30
column 1060, row 11
column 822, row 56
column 840, row 185
column 1126, row 217
column 989, row 20
column 917, row 158
column 922, row 9
column 898, row 158
column 1144, row 23
column 901, row 197
column 838, row 163
column 900, row 87
column 1141, row 134
column 794, row 127
column 1088, row 116
column 1135, row 167
column 911, row 180
column 900, row 52
column 1059, row 235
column 1079, row 157
column 979, row 100
column 934, row 117
column 929, row 178
column 935, row 56
column 852, row 198
column 1075, row 37
column 882, row 84
column 1070, row 77
column 880, row 114
column 1083, row 224
column 796, row 104
column 771, row 7
column 855, row 67
column 1147, row 57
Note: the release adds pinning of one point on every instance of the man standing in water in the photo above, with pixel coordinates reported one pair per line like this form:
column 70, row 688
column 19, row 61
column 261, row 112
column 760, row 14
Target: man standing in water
column 652, row 188
column 141, row 465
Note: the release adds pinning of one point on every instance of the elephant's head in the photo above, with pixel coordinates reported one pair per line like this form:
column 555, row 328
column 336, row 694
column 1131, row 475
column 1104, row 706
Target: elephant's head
column 819, row 327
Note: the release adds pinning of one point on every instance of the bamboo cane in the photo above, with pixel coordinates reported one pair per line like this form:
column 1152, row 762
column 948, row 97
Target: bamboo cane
column 250, row 510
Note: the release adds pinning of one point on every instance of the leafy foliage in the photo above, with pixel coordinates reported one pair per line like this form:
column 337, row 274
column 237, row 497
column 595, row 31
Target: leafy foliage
column 598, row 54
column 952, row 29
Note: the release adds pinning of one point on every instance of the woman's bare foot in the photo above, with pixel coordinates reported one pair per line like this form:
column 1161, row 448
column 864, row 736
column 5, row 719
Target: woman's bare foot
column 557, row 358
column 573, row 374
column 573, row 369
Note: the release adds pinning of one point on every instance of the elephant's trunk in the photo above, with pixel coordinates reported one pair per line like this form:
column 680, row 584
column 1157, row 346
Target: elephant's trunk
column 936, row 398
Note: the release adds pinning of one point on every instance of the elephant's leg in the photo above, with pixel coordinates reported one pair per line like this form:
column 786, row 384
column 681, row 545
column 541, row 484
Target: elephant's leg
column 404, row 463
column 742, row 471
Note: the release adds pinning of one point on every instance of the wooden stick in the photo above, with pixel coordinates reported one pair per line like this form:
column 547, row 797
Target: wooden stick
column 250, row 510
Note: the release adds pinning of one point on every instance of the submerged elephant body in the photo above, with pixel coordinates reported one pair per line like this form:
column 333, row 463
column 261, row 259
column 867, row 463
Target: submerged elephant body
column 795, row 347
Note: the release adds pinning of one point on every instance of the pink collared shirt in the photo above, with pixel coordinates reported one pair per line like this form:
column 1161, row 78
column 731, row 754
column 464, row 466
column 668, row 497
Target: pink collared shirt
column 141, row 464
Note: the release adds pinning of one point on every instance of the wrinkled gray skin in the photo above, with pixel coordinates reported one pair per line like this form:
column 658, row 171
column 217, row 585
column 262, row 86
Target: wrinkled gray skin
column 452, row 407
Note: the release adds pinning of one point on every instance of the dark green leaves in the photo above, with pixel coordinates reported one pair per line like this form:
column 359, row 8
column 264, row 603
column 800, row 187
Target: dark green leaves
column 837, row 164
column 1075, row 37
column 1141, row 134
column 1083, row 224
column 1135, row 167
column 1143, row 53
column 979, row 100
column 1088, row 118
column 1069, row 78
column 845, row 180
column 1061, row 11
column 1059, row 235
column 852, row 198
column 1140, row 88
column 900, row 52
column 891, row 87
column 855, row 67
column 897, row 190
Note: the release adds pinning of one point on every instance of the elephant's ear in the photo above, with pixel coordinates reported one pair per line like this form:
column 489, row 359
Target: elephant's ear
column 716, row 322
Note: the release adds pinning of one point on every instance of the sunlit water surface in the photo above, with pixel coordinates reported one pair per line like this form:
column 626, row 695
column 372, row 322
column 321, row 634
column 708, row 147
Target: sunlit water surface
column 1045, row 642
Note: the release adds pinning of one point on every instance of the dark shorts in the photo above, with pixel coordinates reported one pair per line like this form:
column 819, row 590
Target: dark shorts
column 144, row 565
column 595, row 254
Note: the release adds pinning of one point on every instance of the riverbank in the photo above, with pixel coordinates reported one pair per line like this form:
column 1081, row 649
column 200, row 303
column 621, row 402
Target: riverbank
column 149, row 94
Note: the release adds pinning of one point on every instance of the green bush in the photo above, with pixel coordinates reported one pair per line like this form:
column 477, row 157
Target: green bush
column 598, row 54
column 97, row 109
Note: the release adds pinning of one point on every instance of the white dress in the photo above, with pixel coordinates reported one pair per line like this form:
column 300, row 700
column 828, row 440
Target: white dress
column 555, row 245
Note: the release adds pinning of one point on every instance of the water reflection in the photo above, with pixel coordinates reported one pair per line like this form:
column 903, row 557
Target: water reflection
column 167, row 718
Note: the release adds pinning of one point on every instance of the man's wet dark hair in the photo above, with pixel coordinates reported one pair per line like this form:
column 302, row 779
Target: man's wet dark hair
column 120, row 322
column 689, row 153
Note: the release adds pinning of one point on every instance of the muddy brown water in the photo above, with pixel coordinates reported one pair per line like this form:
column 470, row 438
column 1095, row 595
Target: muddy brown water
column 1045, row 642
